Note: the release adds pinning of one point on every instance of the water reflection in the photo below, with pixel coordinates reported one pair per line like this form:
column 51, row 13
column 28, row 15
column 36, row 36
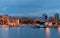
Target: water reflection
column 5, row 29
column 19, row 32
column 59, row 29
column 47, row 33
column 5, row 32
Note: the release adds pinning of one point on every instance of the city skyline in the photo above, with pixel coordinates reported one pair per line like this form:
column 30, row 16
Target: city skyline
column 29, row 18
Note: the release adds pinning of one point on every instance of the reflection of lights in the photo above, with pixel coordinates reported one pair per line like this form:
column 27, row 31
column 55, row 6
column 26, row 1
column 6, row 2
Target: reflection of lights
column 18, row 28
column 5, row 29
column 58, row 29
column 47, row 32
column 5, row 32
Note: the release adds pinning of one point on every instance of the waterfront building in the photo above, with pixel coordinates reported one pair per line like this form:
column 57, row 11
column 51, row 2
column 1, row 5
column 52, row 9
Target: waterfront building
column 56, row 18
column 36, row 21
column 24, row 20
column 20, row 22
column 44, row 17
column 31, row 21
column 4, row 19
column 12, row 22
column 51, row 19
column 16, row 21
column 1, row 21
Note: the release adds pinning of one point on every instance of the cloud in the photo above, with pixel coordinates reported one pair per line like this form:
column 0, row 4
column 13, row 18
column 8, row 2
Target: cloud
column 16, row 14
column 39, row 13
column 33, row 12
column 3, row 8
column 53, row 10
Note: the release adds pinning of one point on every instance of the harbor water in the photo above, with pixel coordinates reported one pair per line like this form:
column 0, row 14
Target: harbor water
column 29, row 32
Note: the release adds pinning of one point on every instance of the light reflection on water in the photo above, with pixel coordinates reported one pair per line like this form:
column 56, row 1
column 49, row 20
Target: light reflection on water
column 59, row 30
column 47, row 33
column 28, row 32
column 5, row 32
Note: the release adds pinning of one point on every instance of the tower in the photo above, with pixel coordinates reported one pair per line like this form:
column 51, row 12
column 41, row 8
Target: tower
column 56, row 17
column 44, row 17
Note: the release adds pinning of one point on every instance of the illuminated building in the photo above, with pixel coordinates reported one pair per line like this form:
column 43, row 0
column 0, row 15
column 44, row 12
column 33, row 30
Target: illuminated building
column 24, row 20
column 56, row 18
column 16, row 21
column 50, row 19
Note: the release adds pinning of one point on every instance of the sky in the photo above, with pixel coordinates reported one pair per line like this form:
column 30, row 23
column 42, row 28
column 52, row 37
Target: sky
column 29, row 7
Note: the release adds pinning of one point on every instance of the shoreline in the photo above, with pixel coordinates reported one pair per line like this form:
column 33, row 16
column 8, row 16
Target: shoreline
column 31, row 25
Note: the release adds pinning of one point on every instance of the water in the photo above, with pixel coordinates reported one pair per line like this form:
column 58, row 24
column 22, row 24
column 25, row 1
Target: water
column 28, row 32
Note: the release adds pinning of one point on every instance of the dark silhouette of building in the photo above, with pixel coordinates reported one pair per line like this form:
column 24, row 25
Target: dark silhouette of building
column 44, row 17
column 56, row 17
column 51, row 19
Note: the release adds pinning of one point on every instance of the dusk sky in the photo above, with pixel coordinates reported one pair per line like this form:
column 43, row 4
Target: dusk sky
column 29, row 7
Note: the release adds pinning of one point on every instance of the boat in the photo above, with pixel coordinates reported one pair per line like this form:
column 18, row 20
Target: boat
column 35, row 26
column 42, row 26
